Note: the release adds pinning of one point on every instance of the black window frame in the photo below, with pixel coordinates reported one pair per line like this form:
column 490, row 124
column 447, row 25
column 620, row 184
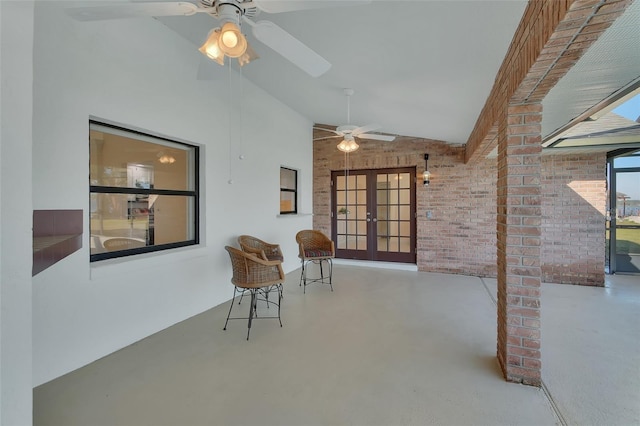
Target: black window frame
column 288, row 190
column 195, row 193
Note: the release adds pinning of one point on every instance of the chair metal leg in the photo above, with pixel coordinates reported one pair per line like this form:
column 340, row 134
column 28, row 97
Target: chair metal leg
column 323, row 279
column 252, row 309
column 256, row 294
column 304, row 285
column 279, row 302
column 233, row 299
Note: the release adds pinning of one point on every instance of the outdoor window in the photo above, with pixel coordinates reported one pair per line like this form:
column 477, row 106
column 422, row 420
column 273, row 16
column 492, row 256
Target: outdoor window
column 288, row 191
column 143, row 192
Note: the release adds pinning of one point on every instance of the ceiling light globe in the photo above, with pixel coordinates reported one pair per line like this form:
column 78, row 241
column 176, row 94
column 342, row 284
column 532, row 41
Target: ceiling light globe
column 213, row 51
column 210, row 47
column 232, row 42
column 230, row 39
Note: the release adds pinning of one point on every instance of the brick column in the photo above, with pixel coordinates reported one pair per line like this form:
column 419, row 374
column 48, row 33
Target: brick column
column 518, row 235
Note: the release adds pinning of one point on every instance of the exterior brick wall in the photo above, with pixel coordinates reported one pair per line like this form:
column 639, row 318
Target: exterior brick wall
column 574, row 205
column 461, row 236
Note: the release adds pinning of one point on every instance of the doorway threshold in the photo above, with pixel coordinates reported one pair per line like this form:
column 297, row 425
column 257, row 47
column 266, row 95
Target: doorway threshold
column 373, row 264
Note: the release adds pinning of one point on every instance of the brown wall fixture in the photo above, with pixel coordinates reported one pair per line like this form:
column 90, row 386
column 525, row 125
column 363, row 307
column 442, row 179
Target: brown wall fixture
column 56, row 234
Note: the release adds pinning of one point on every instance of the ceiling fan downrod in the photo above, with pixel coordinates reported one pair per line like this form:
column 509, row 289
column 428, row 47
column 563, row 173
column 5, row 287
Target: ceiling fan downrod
column 348, row 93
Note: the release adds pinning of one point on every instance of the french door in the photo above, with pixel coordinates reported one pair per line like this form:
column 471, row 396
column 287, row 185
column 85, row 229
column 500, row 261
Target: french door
column 374, row 214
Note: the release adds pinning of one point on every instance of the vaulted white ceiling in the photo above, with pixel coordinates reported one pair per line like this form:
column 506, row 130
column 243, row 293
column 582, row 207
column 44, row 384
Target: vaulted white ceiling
column 418, row 68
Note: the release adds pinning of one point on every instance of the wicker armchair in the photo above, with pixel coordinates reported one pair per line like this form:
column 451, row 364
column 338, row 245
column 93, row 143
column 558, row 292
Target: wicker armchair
column 266, row 250
column 257, row 276
column 315, row 247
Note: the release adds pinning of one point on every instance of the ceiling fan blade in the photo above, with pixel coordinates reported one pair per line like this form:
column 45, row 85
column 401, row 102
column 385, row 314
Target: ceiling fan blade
column 375, row 137
column 290, row 47
column 280, row 6
column 328, row 130
column 365, row 129
column 132, row 10
column 327, row 137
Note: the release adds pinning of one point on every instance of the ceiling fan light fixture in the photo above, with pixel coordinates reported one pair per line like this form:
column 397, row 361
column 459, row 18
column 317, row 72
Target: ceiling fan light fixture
column 210, row 47
column 348, row 145
column 231, row 41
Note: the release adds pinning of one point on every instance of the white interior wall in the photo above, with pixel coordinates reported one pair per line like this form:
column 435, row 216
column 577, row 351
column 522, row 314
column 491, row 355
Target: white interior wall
column 138, row 73
column 16, row 50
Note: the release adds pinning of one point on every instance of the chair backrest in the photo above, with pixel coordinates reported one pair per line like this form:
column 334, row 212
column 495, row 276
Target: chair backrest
column 251, row 242
column 250, row 271
column 114, row 244
column 255, row 245
column 312, row 240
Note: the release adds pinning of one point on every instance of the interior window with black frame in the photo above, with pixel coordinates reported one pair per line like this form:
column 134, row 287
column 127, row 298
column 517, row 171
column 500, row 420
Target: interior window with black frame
column 143, row 192
column 288, row 191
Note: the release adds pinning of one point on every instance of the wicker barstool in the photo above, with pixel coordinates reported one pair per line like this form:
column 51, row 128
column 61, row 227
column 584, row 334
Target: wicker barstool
column 257, row 276
column 315, row 247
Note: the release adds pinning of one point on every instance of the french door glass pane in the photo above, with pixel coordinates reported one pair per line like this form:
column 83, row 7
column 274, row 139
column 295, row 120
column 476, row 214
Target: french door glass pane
column 351, row 197
column 352, row 242
column 393, row 212
column 351, row 212
column 405, row 229
column 405, row 213
column 405, row 196
column 362, row 242
column 393, row 228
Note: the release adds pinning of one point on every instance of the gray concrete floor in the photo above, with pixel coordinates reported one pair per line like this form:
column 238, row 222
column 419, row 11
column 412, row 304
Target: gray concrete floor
column 387, row 347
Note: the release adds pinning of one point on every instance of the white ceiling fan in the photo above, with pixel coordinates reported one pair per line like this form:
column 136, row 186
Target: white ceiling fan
column 349, row 132
column 228, row 40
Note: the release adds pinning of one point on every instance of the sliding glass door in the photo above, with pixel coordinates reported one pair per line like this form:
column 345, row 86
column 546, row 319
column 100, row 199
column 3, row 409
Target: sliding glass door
column 624, row 242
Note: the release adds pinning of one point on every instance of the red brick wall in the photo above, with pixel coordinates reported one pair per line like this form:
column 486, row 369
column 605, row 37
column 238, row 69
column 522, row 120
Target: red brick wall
column 573, row 219
column 461, row 236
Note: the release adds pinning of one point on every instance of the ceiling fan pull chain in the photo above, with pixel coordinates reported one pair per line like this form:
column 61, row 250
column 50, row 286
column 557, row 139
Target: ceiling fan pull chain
column 229, row 75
